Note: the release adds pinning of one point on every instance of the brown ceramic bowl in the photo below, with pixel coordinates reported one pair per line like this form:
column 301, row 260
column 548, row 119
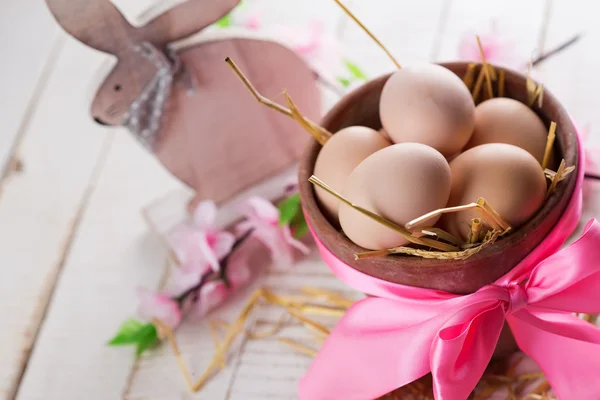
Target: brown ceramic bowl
column 361, row 107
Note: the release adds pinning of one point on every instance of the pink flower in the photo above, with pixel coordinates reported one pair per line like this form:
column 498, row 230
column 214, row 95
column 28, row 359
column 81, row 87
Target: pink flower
column 160, row 306
column 263, row 218
column 185, row 277
column 200, row 242
column 252, row 22
column 215, row 293
column 498, row 49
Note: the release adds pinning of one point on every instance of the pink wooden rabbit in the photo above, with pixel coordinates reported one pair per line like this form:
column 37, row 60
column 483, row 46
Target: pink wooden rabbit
column 185, row 104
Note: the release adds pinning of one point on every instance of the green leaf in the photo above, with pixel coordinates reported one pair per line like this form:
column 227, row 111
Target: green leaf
column 224, row 22
column 288, row 209
column 128, row 333
column 355, row 70
column 345, row 82
column 148, row 338
column 300, row 226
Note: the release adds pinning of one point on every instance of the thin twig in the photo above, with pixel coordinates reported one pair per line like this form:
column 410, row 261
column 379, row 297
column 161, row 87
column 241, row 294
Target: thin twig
column 549, row 144
column 556, row 50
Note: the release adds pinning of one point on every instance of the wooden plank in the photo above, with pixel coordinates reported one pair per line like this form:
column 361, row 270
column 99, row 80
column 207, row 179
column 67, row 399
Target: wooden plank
column 29, row 33
column 39, row 206
column 112, row 253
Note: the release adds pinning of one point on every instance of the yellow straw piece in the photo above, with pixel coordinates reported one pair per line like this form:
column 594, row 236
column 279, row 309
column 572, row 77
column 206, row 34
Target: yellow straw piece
column 501, row 83
column 310, row 324
column 556, row 178
column 485, row 68
column 389, row 224
column 322, row 310
column 332, row 297
column 215, row 337
column 475, row 230
column 319, row 133
column 299, row 347
column 442, row 234
column 478, row 85
column 469, row 76
column 368, row 32
column 549, row 144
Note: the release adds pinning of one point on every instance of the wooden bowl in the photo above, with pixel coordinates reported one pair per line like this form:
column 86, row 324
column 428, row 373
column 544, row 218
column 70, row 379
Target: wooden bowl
column 361, row 107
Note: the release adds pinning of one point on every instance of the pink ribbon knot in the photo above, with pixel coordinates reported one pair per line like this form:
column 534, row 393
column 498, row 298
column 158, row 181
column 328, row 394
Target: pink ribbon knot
column 388, row 341
column 517, row 299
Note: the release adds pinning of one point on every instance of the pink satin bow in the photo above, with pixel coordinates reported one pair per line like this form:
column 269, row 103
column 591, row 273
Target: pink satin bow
column 384, row 343
column 390, row 340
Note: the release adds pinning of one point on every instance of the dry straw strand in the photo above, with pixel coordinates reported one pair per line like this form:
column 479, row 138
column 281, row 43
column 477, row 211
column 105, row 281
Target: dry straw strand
column 332, row 297
column 215, row 337
column 368, row 32
column 298, row 347
column 469, row 76
column 478, row 85
column 175, row 347
column 549, row 144
column 551, row 174
column 556, row 178
column 442, row 234
column 318, row 132
column 475, row 230
column 488, row 213
column 501, row 83
column 403, row 232
column 439, row 255
column 504, row 225
column 485, row 68
column 309, row 323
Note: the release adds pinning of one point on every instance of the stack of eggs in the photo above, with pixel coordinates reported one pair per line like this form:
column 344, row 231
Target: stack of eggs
column 436, row 149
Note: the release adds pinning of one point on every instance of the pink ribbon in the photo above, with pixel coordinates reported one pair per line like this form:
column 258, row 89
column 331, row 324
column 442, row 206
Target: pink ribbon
column 390, row 340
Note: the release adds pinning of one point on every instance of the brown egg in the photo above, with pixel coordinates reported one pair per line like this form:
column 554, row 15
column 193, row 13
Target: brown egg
column 427, row 104
column 506, row 176
column 400, row 183
column 338, row 158
column 503, row 120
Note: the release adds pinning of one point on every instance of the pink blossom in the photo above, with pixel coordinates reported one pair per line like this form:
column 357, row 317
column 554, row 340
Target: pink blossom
column 215, row 293
column 185, row 277
column 497, row 48
column 263, row 219
column 200, row 242
column 252, row 22
column 160, row 306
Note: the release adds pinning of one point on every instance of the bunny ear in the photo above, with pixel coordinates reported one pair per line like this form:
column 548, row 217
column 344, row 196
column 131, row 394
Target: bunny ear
column 97, row 23
column 186, row 19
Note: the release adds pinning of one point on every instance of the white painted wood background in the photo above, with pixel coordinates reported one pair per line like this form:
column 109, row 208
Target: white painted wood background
column 73, row 244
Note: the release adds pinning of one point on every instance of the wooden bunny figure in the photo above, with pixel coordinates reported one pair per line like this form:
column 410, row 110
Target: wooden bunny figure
column 185, row 104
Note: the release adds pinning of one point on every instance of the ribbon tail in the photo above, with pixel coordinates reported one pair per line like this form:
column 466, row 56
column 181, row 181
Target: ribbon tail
column 565, row 347
column 461, row 351
column 378, row 346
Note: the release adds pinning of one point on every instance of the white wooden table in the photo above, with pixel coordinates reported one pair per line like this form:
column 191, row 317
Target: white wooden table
column 73, row 245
